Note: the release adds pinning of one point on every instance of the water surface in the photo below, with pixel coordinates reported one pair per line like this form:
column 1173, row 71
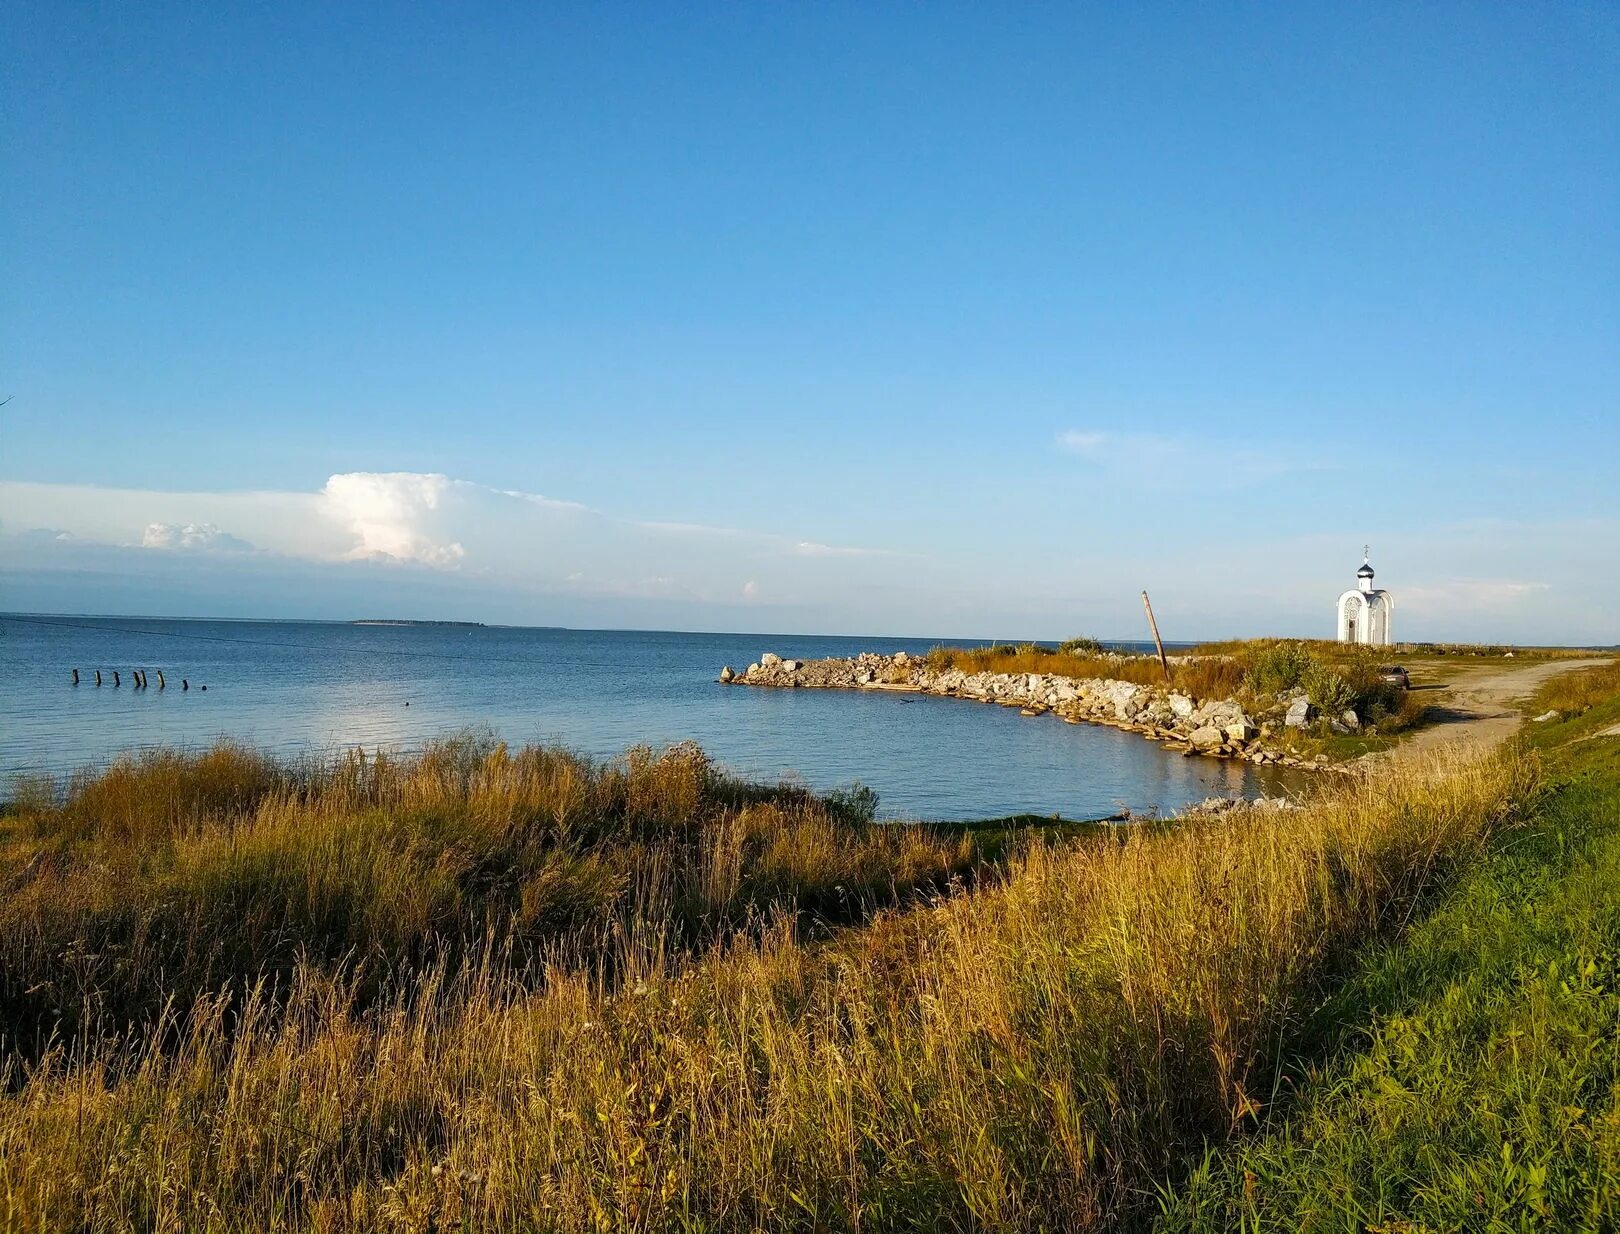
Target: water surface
column 303, row 687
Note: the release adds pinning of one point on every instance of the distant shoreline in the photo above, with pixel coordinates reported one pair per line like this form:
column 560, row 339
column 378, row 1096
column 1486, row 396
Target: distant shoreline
column 393, row 621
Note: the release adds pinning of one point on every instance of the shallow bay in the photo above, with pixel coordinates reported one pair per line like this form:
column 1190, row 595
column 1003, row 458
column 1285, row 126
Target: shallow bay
column 308, row 687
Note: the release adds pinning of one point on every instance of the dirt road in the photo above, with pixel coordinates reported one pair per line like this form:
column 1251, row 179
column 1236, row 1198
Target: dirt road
column 1480, row 705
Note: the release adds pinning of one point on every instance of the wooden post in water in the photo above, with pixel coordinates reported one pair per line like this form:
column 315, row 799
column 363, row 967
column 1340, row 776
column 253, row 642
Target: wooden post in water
column 98, row 676
column 1157, row 641
column 162, row 685
column 117, row 680
column 75, row 676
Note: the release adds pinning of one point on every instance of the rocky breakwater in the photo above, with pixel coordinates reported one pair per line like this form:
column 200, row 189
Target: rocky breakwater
column 1217, row 728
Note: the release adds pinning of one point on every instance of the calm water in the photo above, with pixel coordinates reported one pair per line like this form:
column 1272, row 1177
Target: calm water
column 297, row 687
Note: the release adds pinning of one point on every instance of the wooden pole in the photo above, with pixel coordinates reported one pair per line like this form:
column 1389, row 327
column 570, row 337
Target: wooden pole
column 1157, row 641
column 75, row 676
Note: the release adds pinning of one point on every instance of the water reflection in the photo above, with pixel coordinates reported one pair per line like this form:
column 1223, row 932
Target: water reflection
column 297, row 688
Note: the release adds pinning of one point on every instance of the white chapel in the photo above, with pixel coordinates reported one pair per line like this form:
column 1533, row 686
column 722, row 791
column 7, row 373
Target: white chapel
column 1365, row 611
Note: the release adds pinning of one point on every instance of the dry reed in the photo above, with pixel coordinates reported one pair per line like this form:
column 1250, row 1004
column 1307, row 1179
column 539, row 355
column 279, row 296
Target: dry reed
column 170, row 877
column 1033, row 1056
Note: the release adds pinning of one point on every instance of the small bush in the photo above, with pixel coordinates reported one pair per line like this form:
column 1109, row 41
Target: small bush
column 1080, row 647
column 1328, row 691
column 852, row 806
column 1280, row 667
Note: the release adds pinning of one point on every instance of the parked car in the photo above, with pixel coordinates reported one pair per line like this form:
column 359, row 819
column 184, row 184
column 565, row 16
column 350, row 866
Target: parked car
column 1395, row 675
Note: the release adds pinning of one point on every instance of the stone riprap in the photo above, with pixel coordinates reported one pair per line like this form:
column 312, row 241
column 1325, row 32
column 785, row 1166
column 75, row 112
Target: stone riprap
column 1219, row 728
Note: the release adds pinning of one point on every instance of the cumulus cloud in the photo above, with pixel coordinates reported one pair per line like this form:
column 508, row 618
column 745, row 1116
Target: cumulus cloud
column 362, row 542
column 192, row 538
column 397, row 515
column 435, row 524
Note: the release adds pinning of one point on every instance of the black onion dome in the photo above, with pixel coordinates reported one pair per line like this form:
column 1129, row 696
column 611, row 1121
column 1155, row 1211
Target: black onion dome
column 1366, row 571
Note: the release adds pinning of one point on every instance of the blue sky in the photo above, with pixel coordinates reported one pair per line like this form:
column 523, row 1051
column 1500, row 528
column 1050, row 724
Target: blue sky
column 886, row 319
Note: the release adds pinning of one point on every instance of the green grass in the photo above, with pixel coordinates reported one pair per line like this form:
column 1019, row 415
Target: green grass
column 1472, row 1073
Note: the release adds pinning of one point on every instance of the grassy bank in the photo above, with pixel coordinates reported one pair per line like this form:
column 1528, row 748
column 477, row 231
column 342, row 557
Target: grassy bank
column 1577, row 696
column 1334, row 677
column 172, row 877
column 1036, row 1055
column 1472, row 1073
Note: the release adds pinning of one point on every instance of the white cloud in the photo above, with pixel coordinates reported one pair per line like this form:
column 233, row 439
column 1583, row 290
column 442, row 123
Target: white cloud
column 192, row 537
column 1153, row 458
column 397, row 515
column 807, row 548
column 762, row 541
column 1472, row 593
column 437, row 524
column 538, row 559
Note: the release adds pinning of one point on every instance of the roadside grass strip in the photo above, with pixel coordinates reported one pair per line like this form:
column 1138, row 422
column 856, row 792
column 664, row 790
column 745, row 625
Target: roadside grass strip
column 1474, row 1081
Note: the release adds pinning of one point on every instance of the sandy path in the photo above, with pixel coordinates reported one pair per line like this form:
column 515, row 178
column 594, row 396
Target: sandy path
column 1480, row 706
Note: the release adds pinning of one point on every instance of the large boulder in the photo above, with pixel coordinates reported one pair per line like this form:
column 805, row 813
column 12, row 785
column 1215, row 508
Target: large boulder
column 792, row 666
column 770, row 660
column 727, row 675
column 1241, row 731
column 1207, row 738
column 1350, row 719
column 1181, row 706
column 1300, row 713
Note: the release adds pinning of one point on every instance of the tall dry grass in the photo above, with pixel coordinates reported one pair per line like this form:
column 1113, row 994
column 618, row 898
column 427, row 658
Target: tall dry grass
column 1332, row 651
column 1204, row 677
column 1577, row 692
column 1033, row 1056
column 171, row 876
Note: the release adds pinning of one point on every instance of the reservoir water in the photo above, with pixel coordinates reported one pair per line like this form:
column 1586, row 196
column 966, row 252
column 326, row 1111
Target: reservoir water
column 308, row 687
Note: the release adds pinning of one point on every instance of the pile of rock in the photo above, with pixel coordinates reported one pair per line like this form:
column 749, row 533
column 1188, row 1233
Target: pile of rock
column 1219, row 728
column 1302, row 714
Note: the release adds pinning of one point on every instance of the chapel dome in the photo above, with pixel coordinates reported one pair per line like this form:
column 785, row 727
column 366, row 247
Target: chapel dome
column 1366, row 571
